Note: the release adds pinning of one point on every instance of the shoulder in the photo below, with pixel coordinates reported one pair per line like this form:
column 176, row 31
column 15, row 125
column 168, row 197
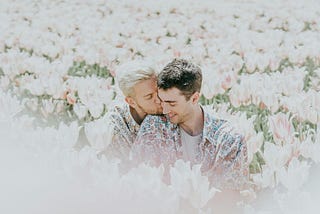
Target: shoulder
column 158, row 119
column 118, row 112
column 118, row 108
column 117, row 116
column 212, row 126
column 219, row 131
column 153, row 122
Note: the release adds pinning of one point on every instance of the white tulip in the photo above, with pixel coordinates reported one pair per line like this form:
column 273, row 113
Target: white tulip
column 95, row 109
column 99, row 133
column 310, row 149
column 267, row 178
column 4, row 82
column 47, row 107
column 281, row 128
column 276, row 156
column 68, row 134
column 80, row 110
column 254, row 144
column 9, row 106
column 295, row 175
column 190, row 184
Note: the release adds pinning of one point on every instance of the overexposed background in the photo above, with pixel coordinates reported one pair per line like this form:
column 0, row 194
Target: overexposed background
column 58, row 66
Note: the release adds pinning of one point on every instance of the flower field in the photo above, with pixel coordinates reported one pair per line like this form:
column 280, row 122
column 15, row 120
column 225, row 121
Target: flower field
column 58, row 68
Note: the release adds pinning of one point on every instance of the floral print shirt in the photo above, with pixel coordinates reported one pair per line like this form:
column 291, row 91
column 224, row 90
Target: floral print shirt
column 222, row 152
column 124, row 131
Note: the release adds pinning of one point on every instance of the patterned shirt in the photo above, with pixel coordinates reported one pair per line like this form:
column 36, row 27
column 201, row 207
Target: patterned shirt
column 222, row 152
column 124, row 131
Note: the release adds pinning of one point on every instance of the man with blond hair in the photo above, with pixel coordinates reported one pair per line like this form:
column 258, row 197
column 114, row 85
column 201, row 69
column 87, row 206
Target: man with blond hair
column 138, row 83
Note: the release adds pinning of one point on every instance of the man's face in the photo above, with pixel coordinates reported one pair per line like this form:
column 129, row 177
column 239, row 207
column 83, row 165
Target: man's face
column 175, row 105
column 146, row 97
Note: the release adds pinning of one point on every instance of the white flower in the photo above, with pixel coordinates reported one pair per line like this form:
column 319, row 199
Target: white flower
column 143, row 188
column 47, row 107
column 281, row 128
column 267, row 178
column 31, row 103
column 95, row 109
column 254, row 143
column 68, row 134
column 59, row 105
column 295, row 25
column 291, row 80
column 80, row 110
column 211, row 84
column 99, row 133
column 310, row 149
column 54, row 85
column 9, row 106
column 295, row 175
column 229, row 79
column 36, row 88
column 190, row 184
column 207, row 91
column 250, row 62
column 276, row 156
column 4, row 82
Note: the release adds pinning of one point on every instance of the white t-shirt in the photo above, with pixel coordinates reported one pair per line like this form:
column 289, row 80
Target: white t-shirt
column 190, row 145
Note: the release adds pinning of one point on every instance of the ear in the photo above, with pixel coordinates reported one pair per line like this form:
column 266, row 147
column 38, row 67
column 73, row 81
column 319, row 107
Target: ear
column 130, row 101
column 195, row 97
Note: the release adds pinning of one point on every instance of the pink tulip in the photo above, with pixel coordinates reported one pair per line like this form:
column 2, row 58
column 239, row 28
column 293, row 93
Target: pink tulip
column 282, row 128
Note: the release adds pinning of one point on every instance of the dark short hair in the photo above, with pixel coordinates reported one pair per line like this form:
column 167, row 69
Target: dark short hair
column 183, row 75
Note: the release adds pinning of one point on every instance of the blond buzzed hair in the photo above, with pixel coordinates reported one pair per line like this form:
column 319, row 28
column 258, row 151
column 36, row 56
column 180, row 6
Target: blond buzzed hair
column 131, row 73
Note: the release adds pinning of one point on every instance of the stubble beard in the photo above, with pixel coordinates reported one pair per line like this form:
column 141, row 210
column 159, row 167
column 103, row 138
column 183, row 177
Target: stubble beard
column 151, row 112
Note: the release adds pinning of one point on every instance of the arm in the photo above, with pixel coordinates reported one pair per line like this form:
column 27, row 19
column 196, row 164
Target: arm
column 118, row 143
column 231, row 167
column 152, row 144
column 108, row 136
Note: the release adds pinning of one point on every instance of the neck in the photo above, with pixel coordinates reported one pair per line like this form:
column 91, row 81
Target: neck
column 194, row 124
column 137, row 116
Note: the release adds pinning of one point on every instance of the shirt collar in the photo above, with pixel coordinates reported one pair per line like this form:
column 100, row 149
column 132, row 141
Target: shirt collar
column 207, row 118
column 132, row 124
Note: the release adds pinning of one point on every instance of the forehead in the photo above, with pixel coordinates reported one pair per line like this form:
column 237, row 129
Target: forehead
column 144, row 87
column 172, row 94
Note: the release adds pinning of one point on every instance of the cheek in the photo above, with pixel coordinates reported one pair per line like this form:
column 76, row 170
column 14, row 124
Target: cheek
column 173, row 109
column 148, row 103
column 182, row 109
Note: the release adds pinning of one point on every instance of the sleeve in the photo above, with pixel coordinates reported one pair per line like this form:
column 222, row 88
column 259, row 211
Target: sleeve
column 145, row 145
column 117, row 143
column 151, row 145
column 113, row 137
column 231, row 167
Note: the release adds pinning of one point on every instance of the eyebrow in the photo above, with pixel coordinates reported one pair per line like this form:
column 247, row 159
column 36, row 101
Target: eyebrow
column 167, row 101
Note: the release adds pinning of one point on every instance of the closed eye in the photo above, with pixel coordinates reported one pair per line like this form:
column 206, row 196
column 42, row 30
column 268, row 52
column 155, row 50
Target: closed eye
column 148, row 97
column 171, row 103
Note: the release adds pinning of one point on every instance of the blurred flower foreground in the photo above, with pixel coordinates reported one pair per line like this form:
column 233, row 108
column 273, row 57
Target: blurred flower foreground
column 58, row 60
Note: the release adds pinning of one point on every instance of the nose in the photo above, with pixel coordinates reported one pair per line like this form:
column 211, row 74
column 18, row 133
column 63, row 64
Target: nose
column 165, row 108
column 157, row 100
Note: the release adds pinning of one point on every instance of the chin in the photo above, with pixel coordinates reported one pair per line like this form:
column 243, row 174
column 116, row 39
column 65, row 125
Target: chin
column 173, row 121
column 155, row 113
column 158, row 112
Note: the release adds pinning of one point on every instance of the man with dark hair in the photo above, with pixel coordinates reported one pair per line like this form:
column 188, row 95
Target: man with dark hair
column 190, row 133
column 183, row 75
